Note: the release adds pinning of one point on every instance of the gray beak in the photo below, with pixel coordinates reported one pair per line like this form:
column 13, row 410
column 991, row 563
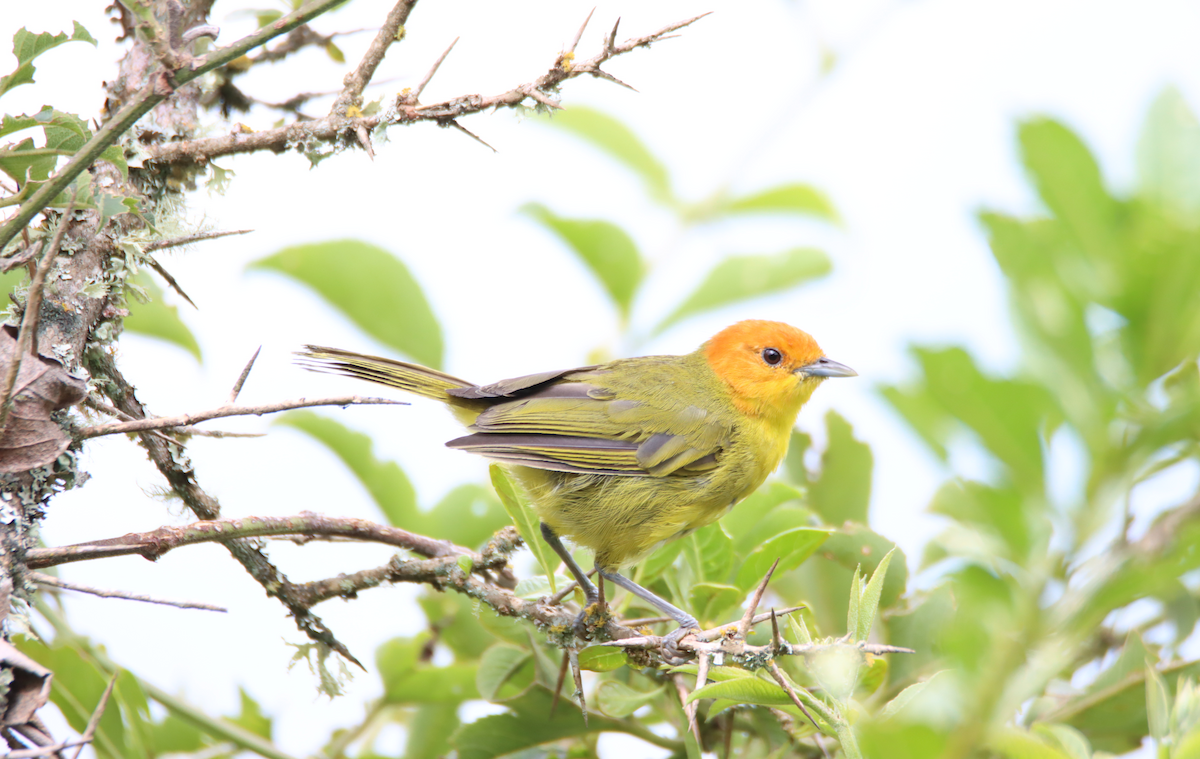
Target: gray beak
column 827, row 367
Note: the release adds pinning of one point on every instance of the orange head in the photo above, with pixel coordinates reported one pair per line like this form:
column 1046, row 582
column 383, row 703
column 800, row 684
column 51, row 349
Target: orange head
column 772, row 368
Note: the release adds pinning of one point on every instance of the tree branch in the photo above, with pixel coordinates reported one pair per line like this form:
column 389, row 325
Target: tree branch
column 356, row 81
column 171, row 460
column 157, row 423
column 406, row 111
column 155, row 543
column 158, row 89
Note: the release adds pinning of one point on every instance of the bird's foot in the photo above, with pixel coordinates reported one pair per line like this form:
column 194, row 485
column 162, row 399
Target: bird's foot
column 672, row 653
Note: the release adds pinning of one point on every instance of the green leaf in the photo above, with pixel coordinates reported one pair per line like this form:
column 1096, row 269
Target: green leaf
column 602, row 658
column 653, row 567
column 1018, row 744
column 870, row 598
column 710, row 601
column 997, row 510
column 791, row 548
column 739, row 278
column 745, row 690
column 525, row 520
column 468, row 515
column 606, row 249
column 902, row 699
column 25, row 162
column 78, row 686
column 1067, row 739
column 28, row 46
column 799, row 199
column 385, row 481
column 156, row 319
column 1114, row 718
column 618, row 700
column 616, row 139
column 504, row 672
column 408, row 679
column 1168, row 155
column 1158, row 704
column 855, row 546
column 528, row 723
column 251, row 716
column 843, row 492
column 369, row 286
column 763, row 515
column 1068, row 179
column 709, row 552
column 429, row 731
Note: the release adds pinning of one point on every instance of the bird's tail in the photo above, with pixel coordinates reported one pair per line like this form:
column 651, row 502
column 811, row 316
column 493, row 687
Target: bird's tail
column 414, row 378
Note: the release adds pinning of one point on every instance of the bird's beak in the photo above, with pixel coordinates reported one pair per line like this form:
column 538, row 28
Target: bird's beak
column 826, row 367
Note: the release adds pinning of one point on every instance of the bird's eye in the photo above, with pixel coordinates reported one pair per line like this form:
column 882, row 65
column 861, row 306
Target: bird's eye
column 772, row 356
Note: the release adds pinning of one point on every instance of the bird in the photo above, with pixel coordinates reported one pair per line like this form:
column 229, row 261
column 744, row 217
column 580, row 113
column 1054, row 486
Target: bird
column 625, row 456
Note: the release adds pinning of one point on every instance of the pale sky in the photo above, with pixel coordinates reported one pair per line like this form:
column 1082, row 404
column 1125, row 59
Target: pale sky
column 910, row 136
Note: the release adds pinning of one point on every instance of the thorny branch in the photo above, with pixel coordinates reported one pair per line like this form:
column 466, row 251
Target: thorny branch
column 155, row 543
column 54, row 582
column 174, row 465
column 407, row 110
column 182, row 420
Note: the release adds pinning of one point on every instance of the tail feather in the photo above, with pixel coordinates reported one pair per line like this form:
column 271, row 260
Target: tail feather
column 413, row 378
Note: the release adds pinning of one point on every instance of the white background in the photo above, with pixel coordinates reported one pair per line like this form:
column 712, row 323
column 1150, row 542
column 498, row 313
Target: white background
column 911, row 135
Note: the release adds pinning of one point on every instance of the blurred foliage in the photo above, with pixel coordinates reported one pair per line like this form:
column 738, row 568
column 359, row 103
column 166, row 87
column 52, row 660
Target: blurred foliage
column 1050, row 618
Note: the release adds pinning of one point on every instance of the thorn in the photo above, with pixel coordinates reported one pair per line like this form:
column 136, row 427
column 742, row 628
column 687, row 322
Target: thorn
column 775, row 633
column 436, row 64
column 744, row 627
column 605, row 75
column 688, row 709
column 186, row 239
column 171, row 281
column 541, row 97
column 783, row 683
column 610, row 43
column 562, row 675
column 573, row 656
column 364, row 139
column 702, row 670
column 241, row 380
column 470, row 134
column 579, row 34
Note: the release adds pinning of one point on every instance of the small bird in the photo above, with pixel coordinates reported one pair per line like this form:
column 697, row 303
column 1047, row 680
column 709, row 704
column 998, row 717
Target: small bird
column 624, row 456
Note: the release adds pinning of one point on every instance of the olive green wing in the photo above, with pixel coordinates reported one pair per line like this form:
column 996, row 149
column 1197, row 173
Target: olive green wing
column 583, row 427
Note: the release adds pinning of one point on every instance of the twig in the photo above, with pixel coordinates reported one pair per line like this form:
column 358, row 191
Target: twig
column 471, row 134
column 175, row 242
column 744, row 627
column 562, row 676
column 27, row 343
column 776, row 673
column 577, row 675
column 94, row 721
column 330, row 129
column 579, row 34
column 357, row 80
column 689, row 710
column 157, row 90
column 157, row 423
column 558, row 597
column 416, row 94
column 171, row 460
column 45, row 579
column 241, row 380
column 31, row 753
column 104, row 408
column 166, row 275
column 157, row 542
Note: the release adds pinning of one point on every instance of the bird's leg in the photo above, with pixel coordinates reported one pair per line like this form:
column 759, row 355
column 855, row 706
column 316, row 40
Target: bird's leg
column 687, row 623
column 589, row 588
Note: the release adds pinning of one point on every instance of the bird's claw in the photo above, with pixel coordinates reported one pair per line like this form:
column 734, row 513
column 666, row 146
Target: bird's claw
column 672, row 653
